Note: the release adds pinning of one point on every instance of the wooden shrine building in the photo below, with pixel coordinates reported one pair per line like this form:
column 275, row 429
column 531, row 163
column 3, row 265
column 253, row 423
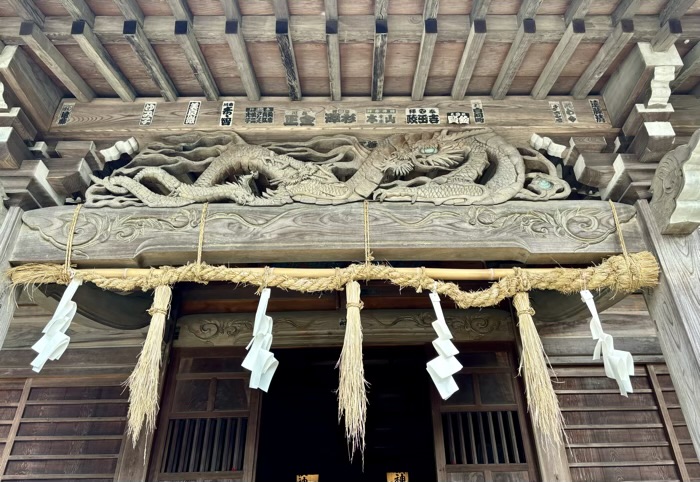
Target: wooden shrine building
column 141, row 139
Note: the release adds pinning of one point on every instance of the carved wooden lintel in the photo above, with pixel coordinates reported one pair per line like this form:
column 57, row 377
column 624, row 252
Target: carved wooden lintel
column 676, row 189
column 552, row 232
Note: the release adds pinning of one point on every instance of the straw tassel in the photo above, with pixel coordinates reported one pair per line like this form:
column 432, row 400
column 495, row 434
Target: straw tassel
column 143, row 381
column 541, row 400
column 352, row 394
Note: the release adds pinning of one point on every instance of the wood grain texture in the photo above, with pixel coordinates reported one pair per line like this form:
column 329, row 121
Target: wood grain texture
column 142, row 48
column 673, row 306
column 333, row 48
column 516, row 55
column 79, row 10
column 180, row 9
column 626, row 9
column 130, row 10
column 28, row 10
column 470, row 57
column 604, row 58
column 675, row 9
column 691, row 66
column 577, row 9
column 289, row 62
column 16, row 118
column 95, row 51
column 195, row 59
column 240, row 55
column 55, row 61
column 528, row 9
column 427, row 47
column 379, row 58
column 667, row 36
column 9, row 229
column 479, row 9
column 13, row 150
column 575, row 31
column 312, row 233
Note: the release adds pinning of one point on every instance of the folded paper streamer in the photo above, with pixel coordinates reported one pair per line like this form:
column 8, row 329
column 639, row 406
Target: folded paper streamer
column 619, row 364
column 446, row 364
column 55, row 341
column 260, row 361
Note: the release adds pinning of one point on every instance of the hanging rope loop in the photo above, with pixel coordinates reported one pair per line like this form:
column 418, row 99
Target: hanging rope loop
column 67, row 274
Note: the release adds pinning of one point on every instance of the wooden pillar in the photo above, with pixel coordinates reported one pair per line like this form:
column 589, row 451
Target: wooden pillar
column 10, row 222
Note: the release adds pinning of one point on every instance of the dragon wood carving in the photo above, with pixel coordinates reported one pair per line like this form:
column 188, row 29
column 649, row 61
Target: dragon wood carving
column 469, row 167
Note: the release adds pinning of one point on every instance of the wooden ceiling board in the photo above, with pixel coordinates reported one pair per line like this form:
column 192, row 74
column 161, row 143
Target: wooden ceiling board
column 155, row 7
column 220, row 60
column 694, row 9
column 522, row 85
column 132, row 68
column 446, row 59
column 51, row 8
column 563, row 85
column 439, row 85
column 491, row 58
column 266, row 60
column 358, row 7
column 504, row 7
column 397, row 86
column 48, row 72
column 306, row 7
column 86, row 69
column 535, row 59
column 356, row 86
column 103, row 8
column 356, row 60
column 401, row 60
column 256, row 7
column 6, row 10
column 481, row 85
column 312, row 60
column 175, row 64
column 581, row 59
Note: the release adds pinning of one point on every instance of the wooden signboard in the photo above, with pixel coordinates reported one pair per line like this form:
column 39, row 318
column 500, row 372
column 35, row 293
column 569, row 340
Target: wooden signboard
column 397, row 477
column 307, row 478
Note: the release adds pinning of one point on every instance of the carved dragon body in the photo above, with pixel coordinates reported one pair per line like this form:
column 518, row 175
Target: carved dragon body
column 440, row 167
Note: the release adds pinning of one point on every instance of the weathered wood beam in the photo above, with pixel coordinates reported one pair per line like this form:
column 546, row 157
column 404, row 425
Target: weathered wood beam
column 516, row 54
column 652, row 141
column 130, row 10
column 79, row 10
column 195, row 59
column 10, row 225
column 139, row 43
column 381, row 33
column 528, row 9
column 16, row 118
column 673, row 306
column 333, row 47
column 626, row 10
column 573, row 35
column 242, row 59
column 470, row 56
column 35, row 91
column 55, row 61
column 13, row 150
column 425, row 57
column 479, row 9
column 289, row 61
column 95, row 51
column 231, row 9
column 330, row 233
column 180, row 9
column 691, row 66
column 577, row 9
column 28, row 186
column 667, row 36
column 28, row 10
column 622, row 33
column 81, row 149
column 281, row 9
column 675, row 9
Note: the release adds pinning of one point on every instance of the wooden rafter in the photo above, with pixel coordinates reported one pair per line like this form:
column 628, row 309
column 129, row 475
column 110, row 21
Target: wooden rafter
column 28, row 10
column 472, row 49
column 79, row 10
column 95, row 51
column 674, row 9
column 573, row 35
column 528, row 9
column 235, row 41
column 284, row 42
column 381, row 33
column 133, row 32
column 55, row 61
column 333, row 47
column 180, row 9
column 576, row 9
column 604, row 58
column 427, row 47
column 691, row 66
column 195, row 59
column 625, row 10
column 516, row 54
column 667, row 35
column 130, row 10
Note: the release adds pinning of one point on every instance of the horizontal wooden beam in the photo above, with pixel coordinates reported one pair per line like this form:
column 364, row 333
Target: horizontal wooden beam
column 95, row 51
column 515, row 57
column 351, row 29
column 515, row 117
column 560, row 57
column 55, row 61
column 134, row 34
column 195, row 59
column 330, row 233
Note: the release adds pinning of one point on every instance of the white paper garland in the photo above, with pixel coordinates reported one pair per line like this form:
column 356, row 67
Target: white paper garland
column 442, row 368
column 260, row 361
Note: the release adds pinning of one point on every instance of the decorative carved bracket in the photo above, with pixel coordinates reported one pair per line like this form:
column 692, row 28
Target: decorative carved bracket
column 676, row 189
column 129, row 146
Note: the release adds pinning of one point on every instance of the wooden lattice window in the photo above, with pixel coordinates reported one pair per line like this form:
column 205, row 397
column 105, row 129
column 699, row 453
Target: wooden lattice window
column 642, row 437
column 481, row 431
column 61, row 429
column 208, row 423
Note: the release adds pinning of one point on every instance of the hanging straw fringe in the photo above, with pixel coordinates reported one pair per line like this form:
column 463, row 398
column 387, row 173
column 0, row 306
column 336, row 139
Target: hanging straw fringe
column 143, row 381
column 534, row 367
column 352, row 394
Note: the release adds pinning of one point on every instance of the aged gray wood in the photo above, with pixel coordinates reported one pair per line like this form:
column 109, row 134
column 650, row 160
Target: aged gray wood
column 79, row 10
column 28, row 10
column 673, row 306
column 180, row 9
column 604, row 58
column 528, row 9
column 691, row 66
column 674, row 9
column 381, row 33
column 327, row 328
column 553, row 232
column 479, row 9
column 15, row 117
column 55, row 61
column 81, row 149
column 9, row 231
column 95, row 51
column 630, row 81
column 573, row 35
column 333, row 46
column 195, row 59
column 142, row 47
column 289, row 61
column 13, row 150
column 516, row 55
column 236, row 43
column 30, row 181
column 576, row 9
column 35, row 91
column 281, row 9
column 381, row 9
column 425, row 57
column 470, row 56
column 667, row 36
column 626, row 9
column 130, row 10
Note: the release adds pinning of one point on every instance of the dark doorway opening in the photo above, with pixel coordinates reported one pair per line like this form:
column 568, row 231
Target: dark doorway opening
column 299, row 432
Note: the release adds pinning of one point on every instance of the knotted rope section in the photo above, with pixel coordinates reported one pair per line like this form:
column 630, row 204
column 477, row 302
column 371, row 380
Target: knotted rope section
column 368, row 253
